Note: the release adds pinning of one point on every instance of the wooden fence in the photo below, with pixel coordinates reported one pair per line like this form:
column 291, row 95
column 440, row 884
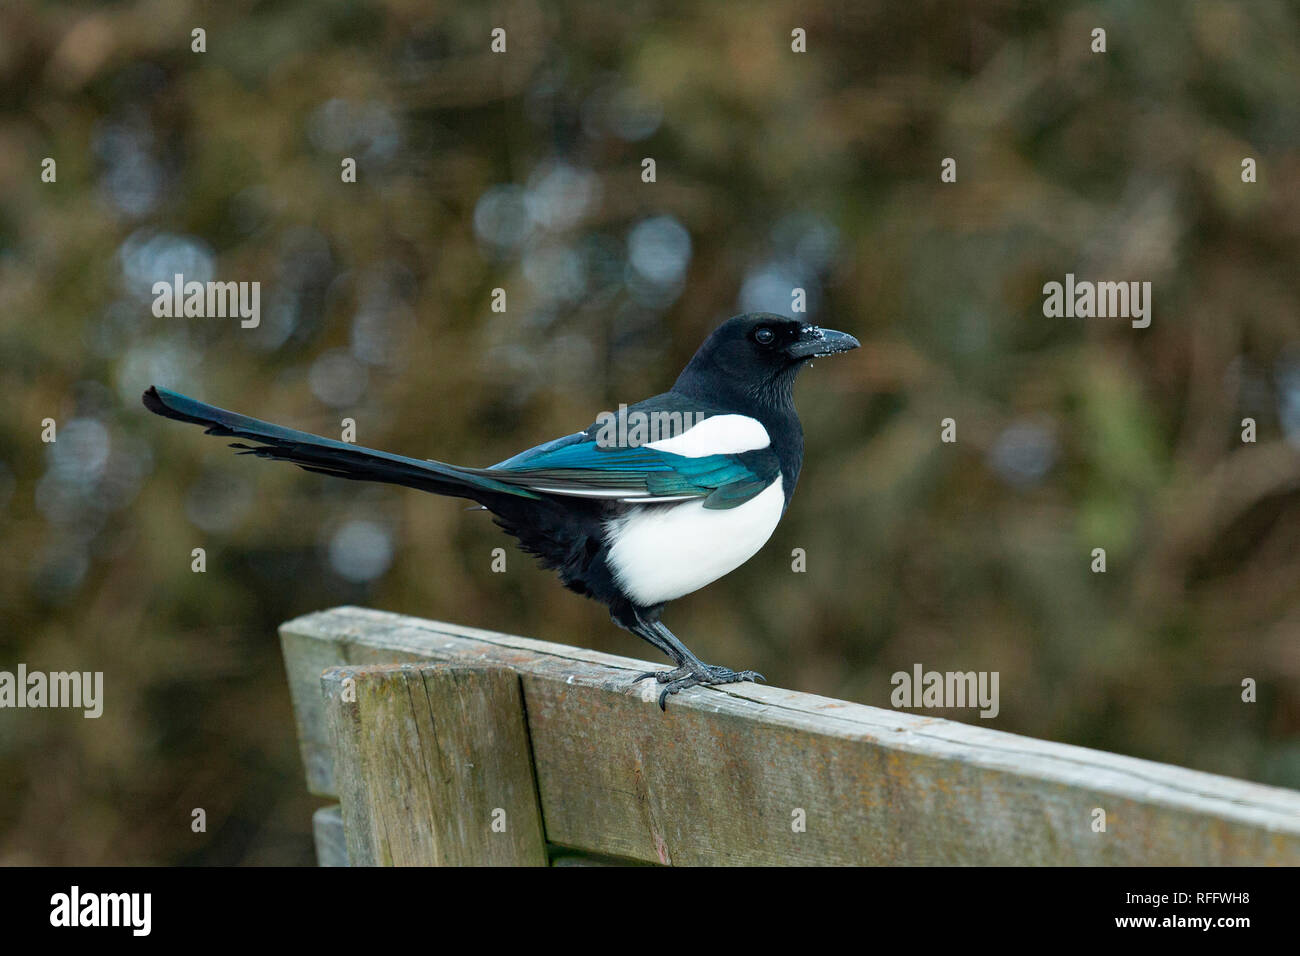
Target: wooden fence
column 448, row 745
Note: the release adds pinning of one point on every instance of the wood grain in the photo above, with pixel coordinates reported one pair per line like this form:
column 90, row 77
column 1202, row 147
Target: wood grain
column 725, row 775
column 433, row 766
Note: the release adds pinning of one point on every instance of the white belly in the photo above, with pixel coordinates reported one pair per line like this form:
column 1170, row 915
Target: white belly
column 661, row 553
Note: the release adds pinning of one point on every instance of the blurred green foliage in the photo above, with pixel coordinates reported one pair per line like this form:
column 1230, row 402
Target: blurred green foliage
column 523, row 171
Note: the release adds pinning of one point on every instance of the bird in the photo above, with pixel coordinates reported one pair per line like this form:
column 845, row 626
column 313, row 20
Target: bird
column 628, row 514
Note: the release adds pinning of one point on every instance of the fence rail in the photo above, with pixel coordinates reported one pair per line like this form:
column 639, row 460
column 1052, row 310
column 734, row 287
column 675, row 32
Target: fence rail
column 449, row 745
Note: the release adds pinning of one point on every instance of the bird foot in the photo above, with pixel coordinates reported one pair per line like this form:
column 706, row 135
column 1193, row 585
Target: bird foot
column 680, row 678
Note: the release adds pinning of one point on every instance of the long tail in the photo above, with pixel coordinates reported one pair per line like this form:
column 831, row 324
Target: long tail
column 326, row 456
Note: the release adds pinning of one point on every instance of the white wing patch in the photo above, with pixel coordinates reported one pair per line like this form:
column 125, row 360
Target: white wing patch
column 718, row 435
column 614, row 494
column 658, row 554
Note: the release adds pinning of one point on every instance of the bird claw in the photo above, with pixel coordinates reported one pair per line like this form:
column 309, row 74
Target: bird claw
column 663, row 677
column 680, row 678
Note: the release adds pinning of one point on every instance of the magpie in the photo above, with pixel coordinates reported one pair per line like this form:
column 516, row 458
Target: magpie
column 628, row 522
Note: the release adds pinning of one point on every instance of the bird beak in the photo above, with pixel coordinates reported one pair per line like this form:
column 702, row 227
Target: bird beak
column 819, row 343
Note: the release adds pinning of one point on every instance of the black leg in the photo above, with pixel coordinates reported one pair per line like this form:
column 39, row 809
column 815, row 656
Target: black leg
column 632, row 620
column 662, row 637
column 690, row 670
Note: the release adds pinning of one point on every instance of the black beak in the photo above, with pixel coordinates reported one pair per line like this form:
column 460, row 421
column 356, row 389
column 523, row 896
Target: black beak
column 819, row 343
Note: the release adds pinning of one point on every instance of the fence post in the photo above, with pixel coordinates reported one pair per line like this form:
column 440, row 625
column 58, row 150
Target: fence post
column 433, row 765
column 739, row 774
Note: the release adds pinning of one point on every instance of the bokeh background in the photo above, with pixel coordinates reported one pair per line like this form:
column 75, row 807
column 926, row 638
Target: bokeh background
column 522, row 171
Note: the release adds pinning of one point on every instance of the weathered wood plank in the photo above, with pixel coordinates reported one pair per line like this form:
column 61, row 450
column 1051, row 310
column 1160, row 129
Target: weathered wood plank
column 327, row 829
column 433, row 766
column 305, row 659
column 726, row 774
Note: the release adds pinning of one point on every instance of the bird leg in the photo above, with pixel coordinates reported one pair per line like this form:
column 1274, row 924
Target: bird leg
column 690, row 670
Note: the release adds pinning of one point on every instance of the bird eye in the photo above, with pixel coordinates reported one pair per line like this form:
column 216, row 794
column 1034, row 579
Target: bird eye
column 764, row 336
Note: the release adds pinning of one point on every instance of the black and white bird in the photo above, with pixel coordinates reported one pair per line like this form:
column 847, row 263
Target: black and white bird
column 631, row 524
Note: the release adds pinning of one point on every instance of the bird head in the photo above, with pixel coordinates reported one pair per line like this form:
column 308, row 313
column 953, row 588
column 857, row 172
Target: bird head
column 759, row 354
